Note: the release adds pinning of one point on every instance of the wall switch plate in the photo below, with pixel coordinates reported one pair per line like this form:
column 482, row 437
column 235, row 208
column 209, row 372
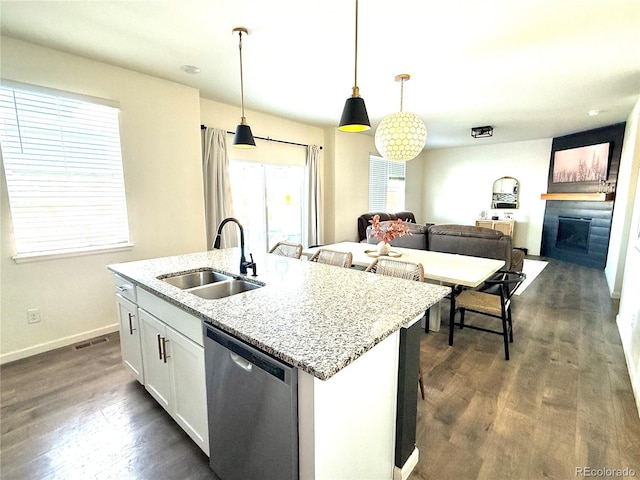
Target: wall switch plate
column 33, row 315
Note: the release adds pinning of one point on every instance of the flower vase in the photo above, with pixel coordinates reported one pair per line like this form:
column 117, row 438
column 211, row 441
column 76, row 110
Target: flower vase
column 383, row 248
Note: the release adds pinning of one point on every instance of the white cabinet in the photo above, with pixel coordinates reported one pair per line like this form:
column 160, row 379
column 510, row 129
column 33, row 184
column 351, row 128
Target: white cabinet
column 129, row 327
column 174, row 365
column 130, row 337
column 156, row 367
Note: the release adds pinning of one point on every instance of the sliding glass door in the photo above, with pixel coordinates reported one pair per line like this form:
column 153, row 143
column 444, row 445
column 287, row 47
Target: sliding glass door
column 267, row 200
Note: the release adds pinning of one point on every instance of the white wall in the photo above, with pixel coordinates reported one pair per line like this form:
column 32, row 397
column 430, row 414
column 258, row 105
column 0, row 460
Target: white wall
column 160, row 133
column 226, row 117
column 457, row 184
column 628, row 319
column 347, row 193
column 159, row 123
column 623, row 207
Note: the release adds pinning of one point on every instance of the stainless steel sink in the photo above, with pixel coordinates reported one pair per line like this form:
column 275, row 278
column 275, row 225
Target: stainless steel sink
column 195, row 279
column 224, row 289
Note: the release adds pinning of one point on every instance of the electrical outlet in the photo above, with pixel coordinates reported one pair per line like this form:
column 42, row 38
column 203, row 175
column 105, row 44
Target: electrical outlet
column 33, row 315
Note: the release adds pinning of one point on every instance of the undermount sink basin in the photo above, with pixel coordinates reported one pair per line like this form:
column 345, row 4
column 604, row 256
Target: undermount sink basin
column 224, row 289
column 195, row 279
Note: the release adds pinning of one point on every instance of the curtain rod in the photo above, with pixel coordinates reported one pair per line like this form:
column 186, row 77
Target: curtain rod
column 269, row 139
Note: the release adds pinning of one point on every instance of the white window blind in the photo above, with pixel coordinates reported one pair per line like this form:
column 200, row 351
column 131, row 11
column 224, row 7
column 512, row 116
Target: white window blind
column 63, row 167
column 386, row 185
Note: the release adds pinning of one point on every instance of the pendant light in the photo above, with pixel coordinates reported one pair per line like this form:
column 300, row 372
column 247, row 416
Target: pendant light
column 401, row 136
column 243, row 137
column 354, row 116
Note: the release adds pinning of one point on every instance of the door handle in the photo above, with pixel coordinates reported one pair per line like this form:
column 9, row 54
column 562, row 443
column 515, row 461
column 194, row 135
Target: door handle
column 241, row 362
column 159, row 348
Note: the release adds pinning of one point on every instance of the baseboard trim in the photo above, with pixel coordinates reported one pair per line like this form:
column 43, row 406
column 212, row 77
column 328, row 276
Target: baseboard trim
column 404, row 472
column 634, row 376
column 52, row 345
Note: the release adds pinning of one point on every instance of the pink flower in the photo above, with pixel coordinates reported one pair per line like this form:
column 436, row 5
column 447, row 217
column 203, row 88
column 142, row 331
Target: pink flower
column 389, row 231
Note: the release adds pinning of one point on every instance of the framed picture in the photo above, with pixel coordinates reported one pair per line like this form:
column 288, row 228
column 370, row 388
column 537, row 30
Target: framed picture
column 582, row 164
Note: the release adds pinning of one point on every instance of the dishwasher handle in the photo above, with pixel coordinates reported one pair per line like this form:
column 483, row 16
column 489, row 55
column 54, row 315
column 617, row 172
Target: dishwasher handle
column 248, row 357
column 241, row 362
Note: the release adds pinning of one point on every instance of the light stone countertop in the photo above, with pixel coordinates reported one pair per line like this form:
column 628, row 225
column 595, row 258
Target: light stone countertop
column 316, row 317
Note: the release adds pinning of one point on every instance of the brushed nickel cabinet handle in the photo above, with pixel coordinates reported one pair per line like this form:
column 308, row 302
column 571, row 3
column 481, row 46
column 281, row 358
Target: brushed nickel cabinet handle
column 164, row 349
column 159, row 348
column 131, row 329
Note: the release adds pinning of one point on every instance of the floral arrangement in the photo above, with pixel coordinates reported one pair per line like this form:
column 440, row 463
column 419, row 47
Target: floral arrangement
column 389, row 231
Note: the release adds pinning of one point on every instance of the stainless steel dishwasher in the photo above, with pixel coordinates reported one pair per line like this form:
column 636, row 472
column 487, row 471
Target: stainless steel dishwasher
column 252, row 403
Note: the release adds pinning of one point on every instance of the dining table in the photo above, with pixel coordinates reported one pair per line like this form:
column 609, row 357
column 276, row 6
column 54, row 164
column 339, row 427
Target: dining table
column 449, row 269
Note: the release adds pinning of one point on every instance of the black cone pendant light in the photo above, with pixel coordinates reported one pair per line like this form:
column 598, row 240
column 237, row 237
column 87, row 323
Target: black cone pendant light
column 243, row 137
column 354, row 116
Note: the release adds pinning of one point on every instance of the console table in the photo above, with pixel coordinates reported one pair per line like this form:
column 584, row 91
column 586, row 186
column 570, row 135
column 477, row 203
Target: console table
column 504, row 226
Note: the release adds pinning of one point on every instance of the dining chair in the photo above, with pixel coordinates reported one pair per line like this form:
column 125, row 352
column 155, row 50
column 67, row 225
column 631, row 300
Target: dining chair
column 333, row 257
column 408, row 271
column 287, row 249
column 493, row 301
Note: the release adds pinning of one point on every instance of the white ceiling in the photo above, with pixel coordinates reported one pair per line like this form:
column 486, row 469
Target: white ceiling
column 530, row 69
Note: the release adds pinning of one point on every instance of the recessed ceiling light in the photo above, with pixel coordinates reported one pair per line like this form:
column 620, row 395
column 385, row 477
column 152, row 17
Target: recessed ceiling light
column 593, row 113
column 191, row 69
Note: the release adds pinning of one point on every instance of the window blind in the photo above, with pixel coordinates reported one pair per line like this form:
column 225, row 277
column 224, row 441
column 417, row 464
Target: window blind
column 63, row 168
column 386, row 181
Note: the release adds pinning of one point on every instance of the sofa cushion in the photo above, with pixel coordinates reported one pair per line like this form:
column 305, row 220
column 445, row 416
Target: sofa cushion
column 469, row 240
column 466, row 231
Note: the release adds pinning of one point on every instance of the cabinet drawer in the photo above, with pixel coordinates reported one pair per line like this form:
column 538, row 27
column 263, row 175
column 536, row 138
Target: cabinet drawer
column 125, row 288
column 176, row 318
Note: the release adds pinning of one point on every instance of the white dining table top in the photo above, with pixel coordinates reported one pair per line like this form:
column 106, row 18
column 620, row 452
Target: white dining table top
column 448, row 268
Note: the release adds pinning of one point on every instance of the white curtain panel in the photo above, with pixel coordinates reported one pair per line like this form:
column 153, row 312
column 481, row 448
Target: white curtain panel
column 311, row 196
column 218, row 203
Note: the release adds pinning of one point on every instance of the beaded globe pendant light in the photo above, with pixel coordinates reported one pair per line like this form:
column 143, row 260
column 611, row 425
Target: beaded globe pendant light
column 243, row 137
column 401, row 136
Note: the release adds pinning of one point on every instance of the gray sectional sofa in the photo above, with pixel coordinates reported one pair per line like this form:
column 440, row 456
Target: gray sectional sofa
column 460, row 239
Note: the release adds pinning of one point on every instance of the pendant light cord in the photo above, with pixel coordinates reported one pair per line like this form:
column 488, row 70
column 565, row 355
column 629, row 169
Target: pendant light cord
column 241, row 78
column 401, row 93
column 355, row 73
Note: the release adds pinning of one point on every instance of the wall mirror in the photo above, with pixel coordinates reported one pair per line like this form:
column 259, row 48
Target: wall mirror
column 505, row 193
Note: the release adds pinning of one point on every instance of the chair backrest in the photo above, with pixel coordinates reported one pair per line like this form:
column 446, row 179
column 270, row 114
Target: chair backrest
column 332, row 257
column 397, row 268
column 507, row 282
column 287, row 249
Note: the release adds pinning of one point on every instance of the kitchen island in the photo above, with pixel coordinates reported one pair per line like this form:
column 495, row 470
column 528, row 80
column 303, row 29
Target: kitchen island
column 340, row 328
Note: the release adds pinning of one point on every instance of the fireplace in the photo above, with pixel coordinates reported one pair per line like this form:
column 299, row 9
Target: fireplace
column 578, row 215
column 573, row 234
column 577, row 232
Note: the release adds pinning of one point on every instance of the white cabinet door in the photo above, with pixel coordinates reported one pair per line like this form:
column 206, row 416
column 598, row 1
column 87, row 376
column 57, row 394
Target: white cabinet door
column 174, row 375
column 130, row 337
column 188, row 384
column 157, row 373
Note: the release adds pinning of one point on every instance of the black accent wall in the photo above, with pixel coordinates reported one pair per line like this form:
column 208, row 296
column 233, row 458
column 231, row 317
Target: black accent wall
column 599, row 213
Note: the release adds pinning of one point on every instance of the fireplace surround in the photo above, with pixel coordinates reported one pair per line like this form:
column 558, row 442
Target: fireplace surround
column 577, row 218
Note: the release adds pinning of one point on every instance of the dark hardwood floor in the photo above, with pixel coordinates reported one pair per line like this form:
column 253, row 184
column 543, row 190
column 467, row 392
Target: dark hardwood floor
column 563, row 401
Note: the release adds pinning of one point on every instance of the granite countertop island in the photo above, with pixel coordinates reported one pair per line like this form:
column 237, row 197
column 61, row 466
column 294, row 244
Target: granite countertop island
column 316, row 317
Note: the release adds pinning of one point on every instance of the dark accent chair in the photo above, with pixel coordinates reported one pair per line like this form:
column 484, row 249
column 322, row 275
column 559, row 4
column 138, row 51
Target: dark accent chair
column 490, row 304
